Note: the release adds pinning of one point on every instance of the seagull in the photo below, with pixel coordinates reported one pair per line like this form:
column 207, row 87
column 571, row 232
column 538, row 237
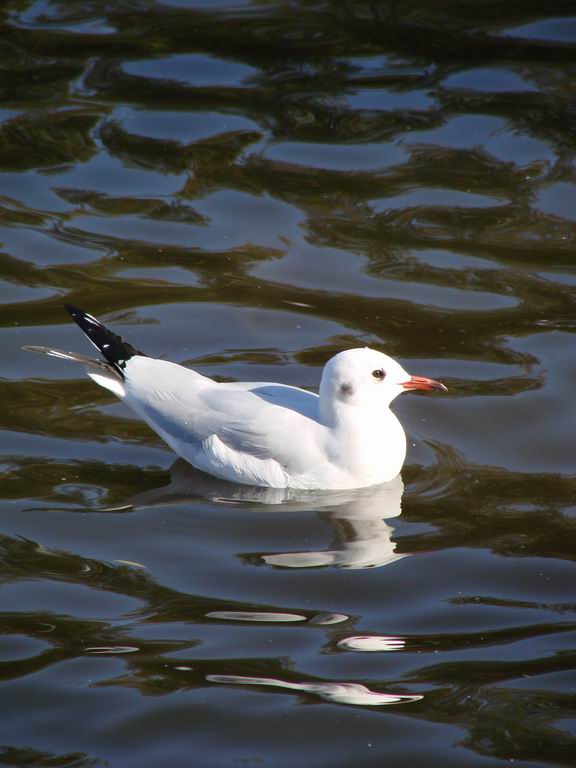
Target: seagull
column 261, row 433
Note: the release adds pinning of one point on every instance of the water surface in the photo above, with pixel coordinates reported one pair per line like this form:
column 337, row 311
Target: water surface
column 248, row 188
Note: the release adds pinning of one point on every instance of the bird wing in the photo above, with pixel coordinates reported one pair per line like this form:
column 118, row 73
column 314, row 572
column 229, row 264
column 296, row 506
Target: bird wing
column 267, row 421
column 248, row 423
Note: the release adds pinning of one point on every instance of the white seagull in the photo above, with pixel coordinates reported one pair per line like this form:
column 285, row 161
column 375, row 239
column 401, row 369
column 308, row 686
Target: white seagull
column 264, row 434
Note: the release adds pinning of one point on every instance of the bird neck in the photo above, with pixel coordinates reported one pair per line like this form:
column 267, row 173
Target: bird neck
column 364, row 442
column 337, row 413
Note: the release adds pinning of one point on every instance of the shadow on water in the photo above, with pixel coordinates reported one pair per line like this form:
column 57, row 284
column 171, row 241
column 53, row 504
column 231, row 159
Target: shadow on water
column 249, row 188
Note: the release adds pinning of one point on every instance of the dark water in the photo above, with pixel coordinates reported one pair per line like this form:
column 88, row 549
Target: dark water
column 248, row 189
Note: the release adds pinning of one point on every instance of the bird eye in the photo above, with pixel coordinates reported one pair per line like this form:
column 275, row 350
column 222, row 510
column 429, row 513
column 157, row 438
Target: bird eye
column 378, row 373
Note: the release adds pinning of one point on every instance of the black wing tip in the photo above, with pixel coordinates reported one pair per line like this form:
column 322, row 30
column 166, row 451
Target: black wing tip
column 114, row 349
column 76, row 313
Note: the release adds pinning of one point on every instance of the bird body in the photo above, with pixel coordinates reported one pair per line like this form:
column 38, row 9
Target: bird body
column 261, row 433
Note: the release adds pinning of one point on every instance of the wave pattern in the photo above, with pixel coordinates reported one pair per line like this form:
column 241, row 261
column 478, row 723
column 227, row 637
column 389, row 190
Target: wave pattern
column 249, row 188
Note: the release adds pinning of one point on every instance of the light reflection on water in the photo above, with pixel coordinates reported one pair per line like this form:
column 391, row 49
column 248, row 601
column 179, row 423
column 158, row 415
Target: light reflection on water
column 339, row 693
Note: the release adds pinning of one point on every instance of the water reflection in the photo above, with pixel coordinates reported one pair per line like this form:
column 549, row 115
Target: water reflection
column 372, row 643
column 320, row 619
column 148, row 663
column 338, row 693
column 155, row 603
column 362, row 538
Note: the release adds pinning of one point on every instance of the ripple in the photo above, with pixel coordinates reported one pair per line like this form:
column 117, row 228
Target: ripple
column 111, row 650
column 372, row 643
column 11, row 293
column 337, row 693
column 332, row 270
column 335, row 156
column 329, row 618
column 182, row 126
column 489, row 79
column 194, row 69
column 446, row 197
column 558, row 200
column 560, row 30
column 38, row 15
column 386, row 99
column 15, row 646
column 463, row 131
column 277, row 618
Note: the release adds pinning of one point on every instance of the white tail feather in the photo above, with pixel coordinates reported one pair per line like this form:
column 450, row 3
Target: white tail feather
column 104, row 374
column 108, row 381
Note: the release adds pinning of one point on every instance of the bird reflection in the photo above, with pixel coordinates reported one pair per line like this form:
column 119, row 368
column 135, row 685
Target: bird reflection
column 362, row 538
column 339, row 693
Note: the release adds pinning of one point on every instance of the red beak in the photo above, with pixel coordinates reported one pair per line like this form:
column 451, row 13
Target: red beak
column 421, row 382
